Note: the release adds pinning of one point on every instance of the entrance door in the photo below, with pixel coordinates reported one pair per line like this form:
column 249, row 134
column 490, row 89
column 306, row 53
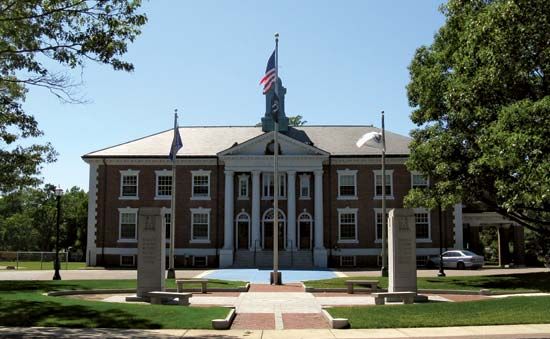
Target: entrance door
column 268, row 235
column 242, row 235
column 305, row 235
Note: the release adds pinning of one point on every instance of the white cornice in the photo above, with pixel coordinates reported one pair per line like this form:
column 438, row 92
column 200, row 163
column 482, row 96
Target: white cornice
column 152, row 161
column 367, row 161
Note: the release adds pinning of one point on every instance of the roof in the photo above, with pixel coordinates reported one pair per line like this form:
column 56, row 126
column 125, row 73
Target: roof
column 208, row 141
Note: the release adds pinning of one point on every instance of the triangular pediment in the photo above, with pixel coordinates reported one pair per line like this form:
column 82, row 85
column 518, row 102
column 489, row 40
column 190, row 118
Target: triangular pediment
column 259, row 146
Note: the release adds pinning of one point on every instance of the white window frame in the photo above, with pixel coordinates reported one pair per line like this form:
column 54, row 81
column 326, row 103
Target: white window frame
column 194, row 211
column 163, row 173
column 347, row 210
column 127, row 210
column 378, row 237
column 133, row 260
column 163, row 213
column 305, row 181
column 429, row 238
column 243, row 178
column 282, row 180
column 127, row 173
column 196, row 174
column 389, row 172
column 347, row 172
column 415, row 173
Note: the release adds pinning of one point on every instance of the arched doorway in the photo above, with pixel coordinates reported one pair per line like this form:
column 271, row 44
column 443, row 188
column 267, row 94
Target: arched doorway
column 242, row 230
column 267, row 229
column 305, row 231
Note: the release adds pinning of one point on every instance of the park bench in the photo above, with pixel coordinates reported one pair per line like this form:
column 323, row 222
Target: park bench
column 181, row 282
column 406, row 297
column 373, row 284
column 158, row 296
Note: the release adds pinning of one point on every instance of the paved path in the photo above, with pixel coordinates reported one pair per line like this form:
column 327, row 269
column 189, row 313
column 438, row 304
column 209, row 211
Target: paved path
column 488, row 332
column 84, row 274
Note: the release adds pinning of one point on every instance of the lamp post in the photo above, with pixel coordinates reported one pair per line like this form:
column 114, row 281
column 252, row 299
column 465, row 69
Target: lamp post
column 58, row 194
column 441, row 272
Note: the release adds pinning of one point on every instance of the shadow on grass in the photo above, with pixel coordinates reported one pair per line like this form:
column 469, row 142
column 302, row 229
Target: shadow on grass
column 47, row 313
column 46, row 286
column 526, row 281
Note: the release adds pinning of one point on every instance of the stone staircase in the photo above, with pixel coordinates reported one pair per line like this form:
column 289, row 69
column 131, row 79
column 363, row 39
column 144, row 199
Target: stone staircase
column 296, row 259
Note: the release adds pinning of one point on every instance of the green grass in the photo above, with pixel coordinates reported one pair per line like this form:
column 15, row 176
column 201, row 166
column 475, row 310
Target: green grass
column 512, row 310
column 22, row 303
column 509, row 282
column 35, row 265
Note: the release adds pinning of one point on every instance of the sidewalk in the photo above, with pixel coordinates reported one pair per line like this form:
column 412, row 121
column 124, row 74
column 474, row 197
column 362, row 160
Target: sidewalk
column 500, row 332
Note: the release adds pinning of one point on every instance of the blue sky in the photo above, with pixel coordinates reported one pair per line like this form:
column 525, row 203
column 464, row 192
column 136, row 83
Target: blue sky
column 341, row 62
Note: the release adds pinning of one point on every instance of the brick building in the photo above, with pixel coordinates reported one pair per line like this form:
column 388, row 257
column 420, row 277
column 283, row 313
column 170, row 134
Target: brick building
column 330, row 196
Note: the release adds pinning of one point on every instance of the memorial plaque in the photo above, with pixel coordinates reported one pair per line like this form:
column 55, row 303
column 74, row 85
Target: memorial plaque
column 402, row 250
column 151, row 251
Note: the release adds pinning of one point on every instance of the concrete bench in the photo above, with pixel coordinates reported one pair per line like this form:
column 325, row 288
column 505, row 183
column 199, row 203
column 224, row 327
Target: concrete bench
column 181, row 282
column 406, row 297
column 158, row 296
column 373, row 284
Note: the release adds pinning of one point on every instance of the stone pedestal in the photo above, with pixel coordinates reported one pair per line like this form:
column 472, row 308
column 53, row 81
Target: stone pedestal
column 151, row 251
column 402, row 250
column 226, row 258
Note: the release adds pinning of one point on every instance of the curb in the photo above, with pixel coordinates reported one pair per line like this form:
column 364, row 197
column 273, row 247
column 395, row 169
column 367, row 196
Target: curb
column 335, row 323
column 225, row 324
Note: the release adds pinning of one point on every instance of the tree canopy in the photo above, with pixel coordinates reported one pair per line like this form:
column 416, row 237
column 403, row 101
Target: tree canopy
column 481, row 100
column 39, row 41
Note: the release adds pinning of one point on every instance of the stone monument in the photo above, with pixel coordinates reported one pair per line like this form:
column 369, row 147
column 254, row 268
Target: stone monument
column 402, row 250
column 151, row 251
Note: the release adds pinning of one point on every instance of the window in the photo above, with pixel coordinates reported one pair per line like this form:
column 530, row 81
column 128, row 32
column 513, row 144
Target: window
column 167, row 224
column 127, row 224
column 268, row 185
column 347, row 184
column 243, row 187
column 200, row 185
column 378, row 184
column 347, row 225
column 304, row 186
column 129, row 184
column 200, row 225
column 164, row 185
column 127, row 260
column 347, row 260
column 418, row 180
column 422, row 223
column 378, row 223
column 201, row 261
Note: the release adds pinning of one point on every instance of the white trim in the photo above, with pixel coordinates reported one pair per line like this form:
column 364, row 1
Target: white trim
column 305, row 181
column 206, row 161
column 375, row 160
column 199, row 210
column 347, row 210
column 127, row 210
column 237, row 229
column 389, row 172
column 243, row 178
column 282, row 181
column 178, row 251
column 92, row 216
column 377, row 251
column 347, row 172
column 426, row 211
column 310, row 229
column 282, row 220
column 124, row 173
column 416, row 173
column 133, row 260
column 195, row 173
column 164, row 173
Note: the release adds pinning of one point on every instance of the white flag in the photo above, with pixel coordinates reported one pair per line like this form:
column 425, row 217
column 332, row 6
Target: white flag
column 371, row 139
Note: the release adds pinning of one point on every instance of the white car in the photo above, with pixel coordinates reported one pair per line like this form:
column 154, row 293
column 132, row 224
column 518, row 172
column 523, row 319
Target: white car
column 459, row 259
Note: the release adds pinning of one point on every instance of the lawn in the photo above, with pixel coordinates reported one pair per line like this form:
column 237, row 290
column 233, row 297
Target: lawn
column 512, row 310
column 46, row 265
column 22, row 303
column 509, row 282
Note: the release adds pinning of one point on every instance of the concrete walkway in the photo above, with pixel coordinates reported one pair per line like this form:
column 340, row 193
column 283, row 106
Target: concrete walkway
column 489, row 332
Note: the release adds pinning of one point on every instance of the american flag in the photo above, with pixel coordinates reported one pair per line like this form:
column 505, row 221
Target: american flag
column 270, row 73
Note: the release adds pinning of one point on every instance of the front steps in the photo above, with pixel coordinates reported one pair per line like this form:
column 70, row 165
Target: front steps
column 264, row 258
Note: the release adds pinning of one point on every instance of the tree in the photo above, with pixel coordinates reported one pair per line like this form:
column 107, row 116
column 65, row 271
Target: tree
column 297, row 120
column 481, row 100
column 36, row 36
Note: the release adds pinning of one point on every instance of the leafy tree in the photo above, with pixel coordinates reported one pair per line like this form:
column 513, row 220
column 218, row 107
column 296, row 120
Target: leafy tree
column 38, row 36
column 297, row 120
column 481, row 100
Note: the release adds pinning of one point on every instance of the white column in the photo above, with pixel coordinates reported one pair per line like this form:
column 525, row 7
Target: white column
column 256, row 209
column 291, row 210
column 319, row 252
column 226, row 254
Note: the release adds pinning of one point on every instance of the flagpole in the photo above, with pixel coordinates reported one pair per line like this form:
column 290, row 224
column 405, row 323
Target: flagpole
column 276, row 277
column 384, row 270
column 171, row 271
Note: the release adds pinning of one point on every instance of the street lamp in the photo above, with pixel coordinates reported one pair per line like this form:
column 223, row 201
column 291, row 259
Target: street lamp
column 58, row 194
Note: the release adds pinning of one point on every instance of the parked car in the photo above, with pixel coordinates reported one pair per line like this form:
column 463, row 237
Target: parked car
column 459, row 259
